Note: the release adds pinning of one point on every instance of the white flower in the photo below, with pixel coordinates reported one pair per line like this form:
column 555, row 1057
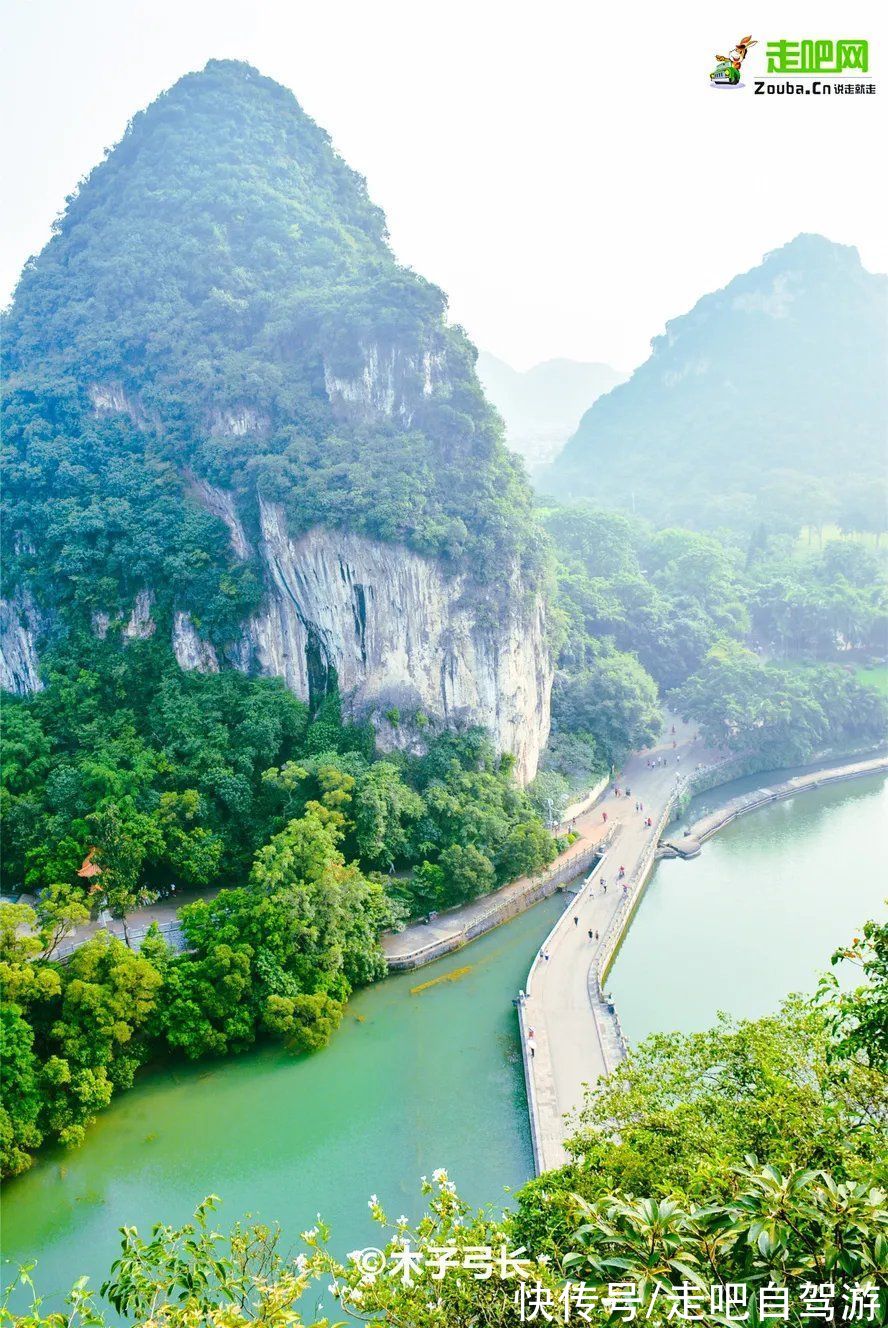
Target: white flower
column 402, row 1221
column 356, row 1294
column 439, row 1174
column 373, row 1202
column 301, row 1262
column 309, row 1234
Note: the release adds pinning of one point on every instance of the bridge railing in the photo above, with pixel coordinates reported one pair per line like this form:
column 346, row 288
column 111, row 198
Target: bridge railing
column 631, row 896
column 503, row 906
column 171, row 932
column 592, row 855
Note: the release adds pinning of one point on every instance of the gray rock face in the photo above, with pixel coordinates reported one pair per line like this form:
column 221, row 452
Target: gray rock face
column 141, row 623
column 20, row 626
column 191, row 651
column 399, row 634
column 391, row 381
column 394, row 631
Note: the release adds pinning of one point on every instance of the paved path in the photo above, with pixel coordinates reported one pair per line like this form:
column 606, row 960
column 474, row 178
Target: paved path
column 573, row 1038
column 417, row 942
column 163, row 911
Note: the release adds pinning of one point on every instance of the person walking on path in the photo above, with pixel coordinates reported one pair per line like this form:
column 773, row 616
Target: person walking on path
column 576, row 920
column 590, row 933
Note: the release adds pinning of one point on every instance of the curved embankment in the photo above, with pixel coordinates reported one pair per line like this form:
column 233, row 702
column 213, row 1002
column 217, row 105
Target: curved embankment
column 422, row 943
column 706, row 826
column 570, row 1031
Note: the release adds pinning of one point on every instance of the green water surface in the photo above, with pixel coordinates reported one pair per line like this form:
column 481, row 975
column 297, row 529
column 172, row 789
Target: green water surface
column 417, row 1079
column 759, row 913
column 413, row 1080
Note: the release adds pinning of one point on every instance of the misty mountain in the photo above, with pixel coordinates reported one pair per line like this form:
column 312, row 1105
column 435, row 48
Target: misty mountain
column 767, row 402
column 543, row 405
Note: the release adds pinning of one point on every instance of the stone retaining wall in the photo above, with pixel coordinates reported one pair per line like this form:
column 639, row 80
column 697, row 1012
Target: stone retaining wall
column 707, row 826
column 507, row 906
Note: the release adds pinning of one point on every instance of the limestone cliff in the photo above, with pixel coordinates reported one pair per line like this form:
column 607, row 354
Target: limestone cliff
column 400, row 635
column 219, row 316
column 21, row 624
column 394, row 632
column 386, row 625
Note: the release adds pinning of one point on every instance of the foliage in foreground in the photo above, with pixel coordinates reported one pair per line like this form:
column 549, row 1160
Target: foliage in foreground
column 709, row 1170
column 461, row 1268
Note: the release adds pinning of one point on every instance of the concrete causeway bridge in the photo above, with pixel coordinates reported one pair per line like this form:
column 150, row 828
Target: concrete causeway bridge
column 570, row 1032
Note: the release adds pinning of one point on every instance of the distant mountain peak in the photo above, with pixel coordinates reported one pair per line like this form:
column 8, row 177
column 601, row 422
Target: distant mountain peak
column 767, row 398
column 542, row 405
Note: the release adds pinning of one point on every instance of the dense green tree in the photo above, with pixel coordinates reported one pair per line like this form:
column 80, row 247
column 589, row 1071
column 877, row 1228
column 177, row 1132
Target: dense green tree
column 465, row 872
column 306, row 1022
column 209, row 1007
column 614, row 700
column 21, row 1094
column 783, row 716
column 859, row 1017
column 385, row 809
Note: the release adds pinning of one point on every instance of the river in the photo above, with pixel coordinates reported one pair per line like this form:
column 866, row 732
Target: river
column 426, row 1069
column 759, row 913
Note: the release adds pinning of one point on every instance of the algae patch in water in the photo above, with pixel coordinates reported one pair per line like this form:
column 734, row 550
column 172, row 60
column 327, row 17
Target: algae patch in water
column 445, row 977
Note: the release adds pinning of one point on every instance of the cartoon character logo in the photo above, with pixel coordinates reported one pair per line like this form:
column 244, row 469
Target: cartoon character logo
column 727, row 72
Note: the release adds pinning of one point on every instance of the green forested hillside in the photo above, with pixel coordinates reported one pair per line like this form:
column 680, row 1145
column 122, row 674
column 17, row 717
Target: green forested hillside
column 219, row 301
column 767, row 402
column 205, row 284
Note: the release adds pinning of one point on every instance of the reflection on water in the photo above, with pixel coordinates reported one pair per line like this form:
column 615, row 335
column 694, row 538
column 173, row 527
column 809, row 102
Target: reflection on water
column 409, row 1083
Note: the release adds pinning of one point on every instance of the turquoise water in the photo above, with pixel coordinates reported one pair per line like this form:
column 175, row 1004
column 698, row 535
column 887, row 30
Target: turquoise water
column 413, row 1080
column 759, row 913
column 421, row 1076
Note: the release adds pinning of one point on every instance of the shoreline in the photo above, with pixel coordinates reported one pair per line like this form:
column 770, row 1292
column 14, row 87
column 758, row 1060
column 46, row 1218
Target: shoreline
column 706, row 826
column 608, row 1045
column 457, row 927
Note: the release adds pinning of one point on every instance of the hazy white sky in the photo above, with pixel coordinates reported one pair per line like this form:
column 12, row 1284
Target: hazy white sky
column 563, row 169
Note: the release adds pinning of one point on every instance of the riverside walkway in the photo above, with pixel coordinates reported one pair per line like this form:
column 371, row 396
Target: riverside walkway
column 570, row 1034
column 421, row 942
